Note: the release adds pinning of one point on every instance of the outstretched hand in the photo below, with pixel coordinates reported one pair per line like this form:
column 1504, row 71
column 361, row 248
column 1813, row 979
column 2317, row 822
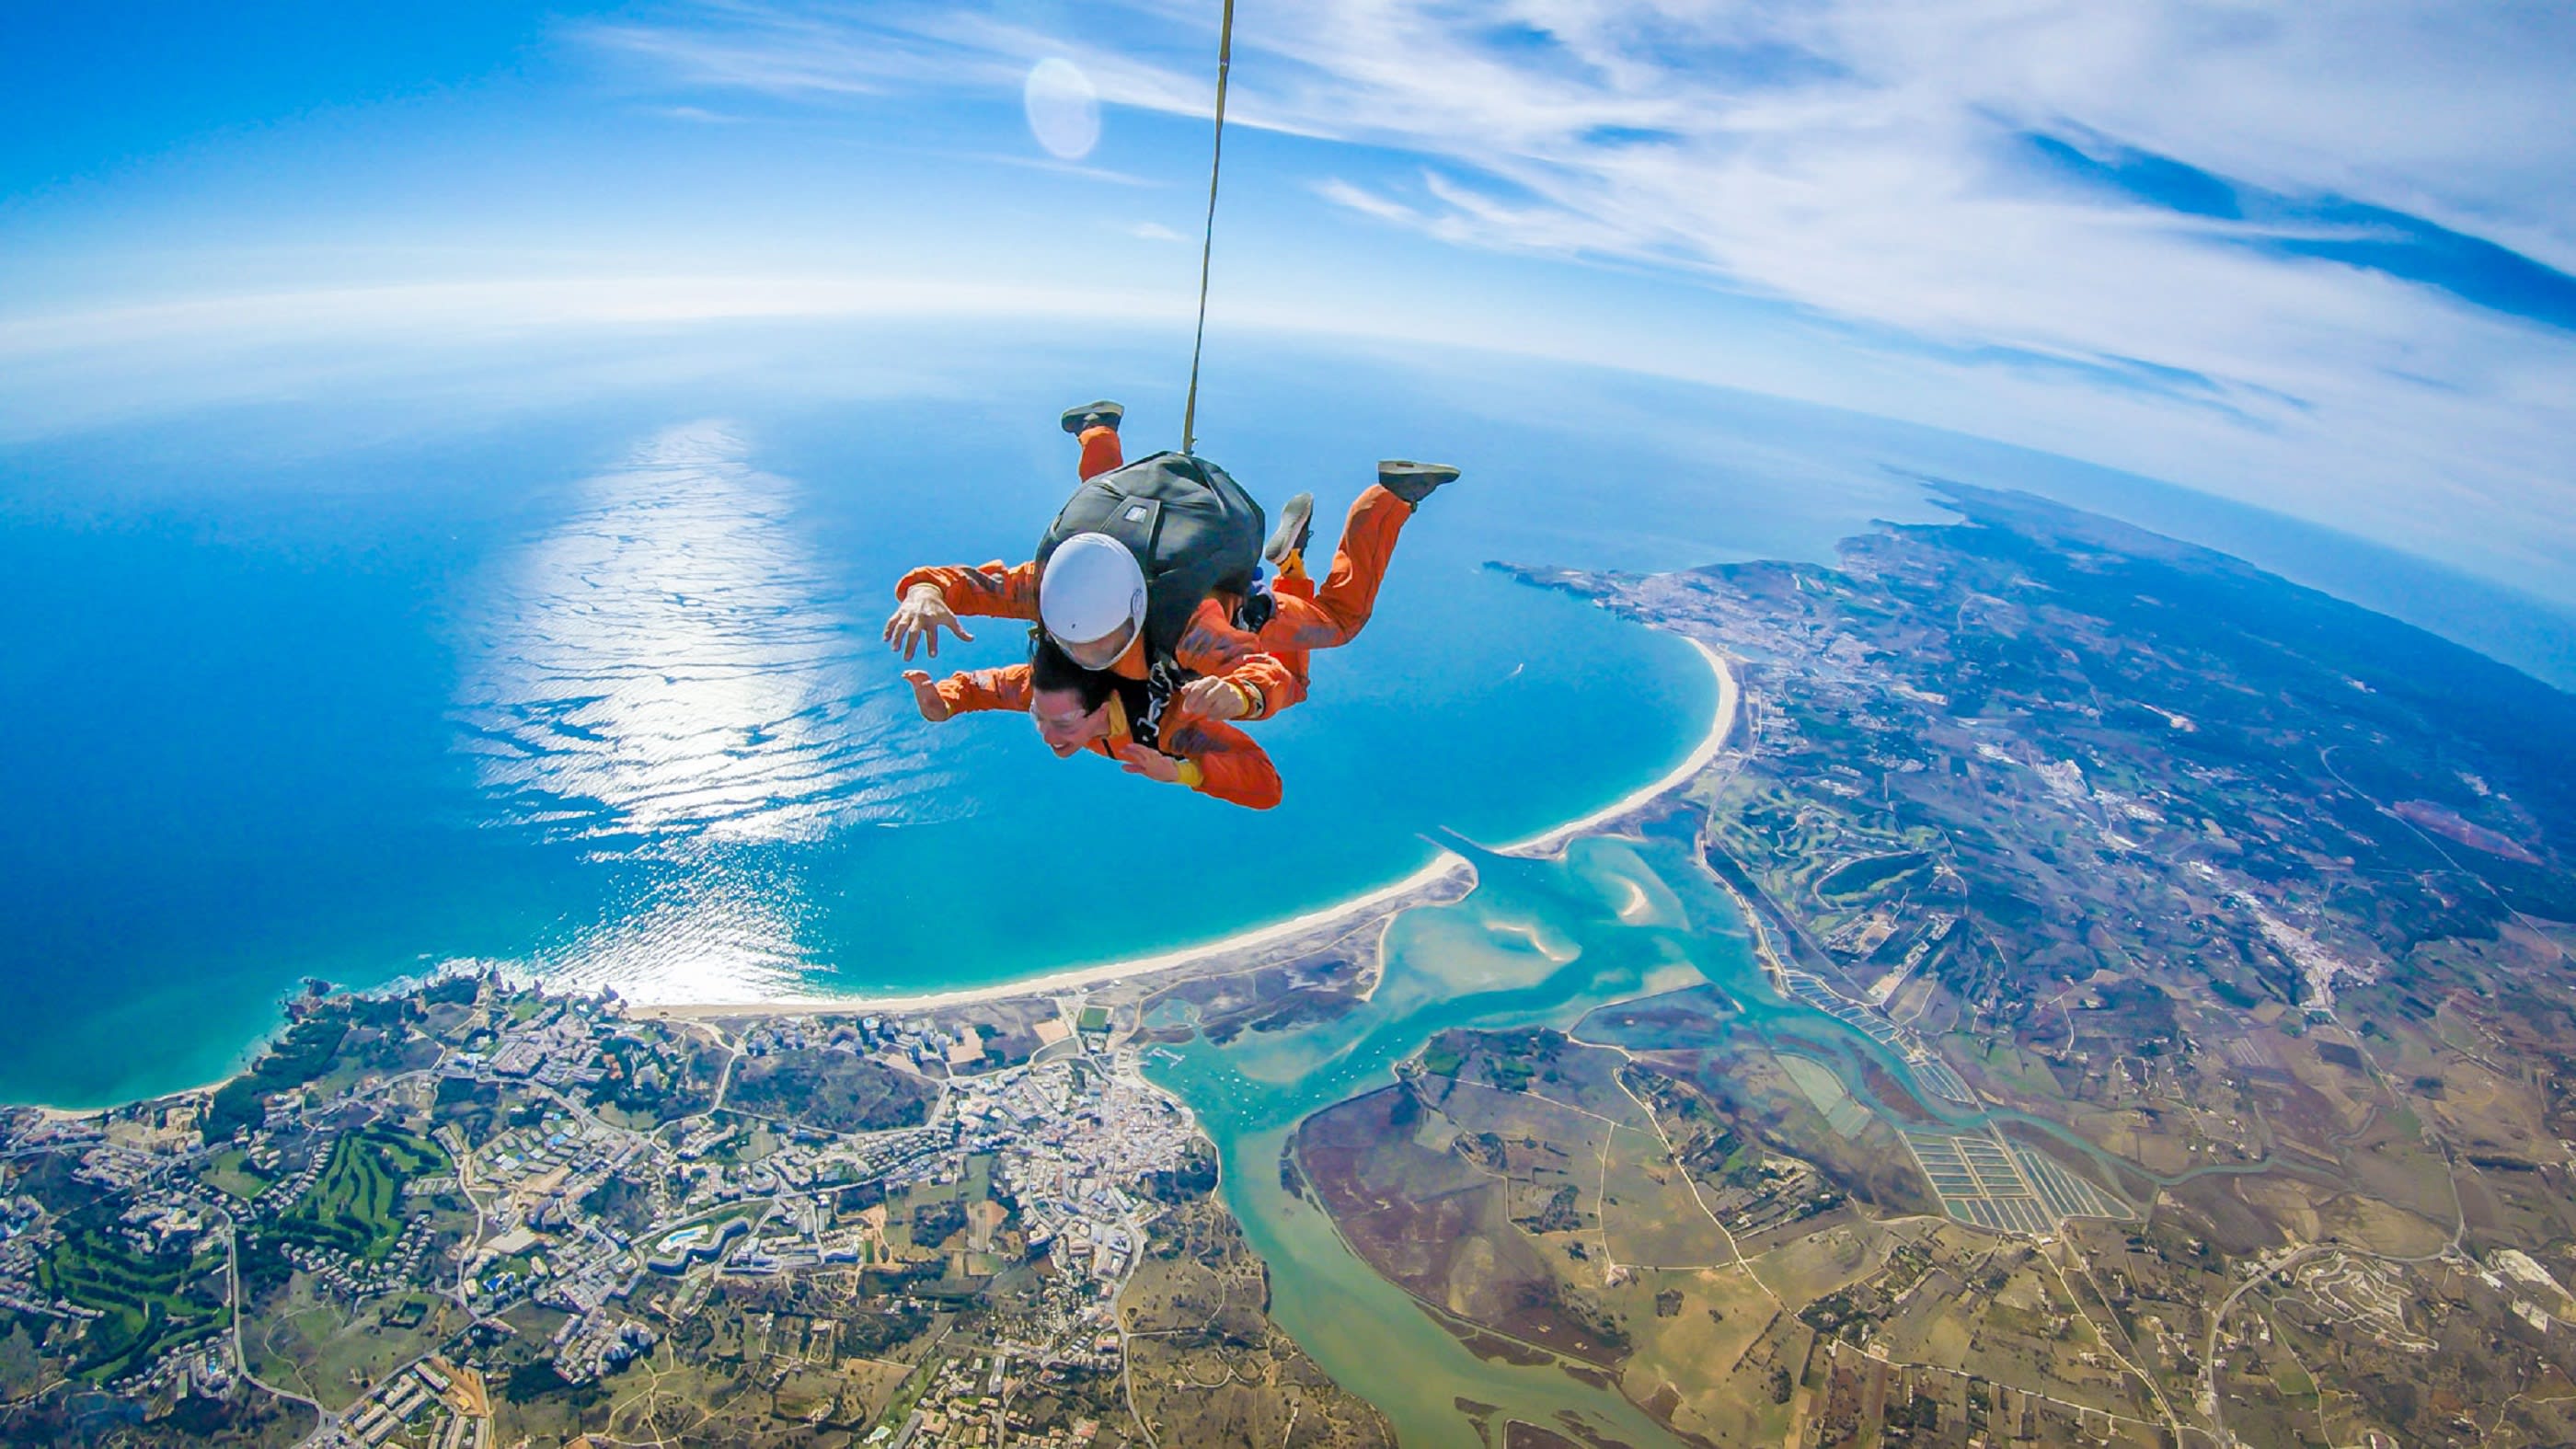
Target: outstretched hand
column 1151, row 763
column 1215, row 699
column 926, row 695
column 918, row 620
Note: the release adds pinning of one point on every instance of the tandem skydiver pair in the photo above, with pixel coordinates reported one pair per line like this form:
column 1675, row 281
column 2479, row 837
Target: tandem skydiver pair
column 1155, row 627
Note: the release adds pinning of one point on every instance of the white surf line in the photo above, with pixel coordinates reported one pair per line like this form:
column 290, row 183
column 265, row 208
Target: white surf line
column 1547, row 842
column 1721, row 725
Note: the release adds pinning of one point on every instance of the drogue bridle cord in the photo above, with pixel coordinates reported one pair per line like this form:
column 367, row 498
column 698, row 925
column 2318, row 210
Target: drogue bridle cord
column 1207, row 242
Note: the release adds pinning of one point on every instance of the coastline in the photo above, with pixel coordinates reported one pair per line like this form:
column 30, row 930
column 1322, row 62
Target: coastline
column 1421, row 886
column 1448, row 864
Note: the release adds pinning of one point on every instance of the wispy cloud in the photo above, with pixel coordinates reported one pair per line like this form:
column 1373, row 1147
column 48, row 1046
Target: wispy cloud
column 2254, row 233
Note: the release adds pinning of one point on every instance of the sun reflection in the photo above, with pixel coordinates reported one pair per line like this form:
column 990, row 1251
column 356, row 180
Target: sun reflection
column 663, row 675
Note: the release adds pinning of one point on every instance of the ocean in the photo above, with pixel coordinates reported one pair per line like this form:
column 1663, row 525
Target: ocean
column 565, row 658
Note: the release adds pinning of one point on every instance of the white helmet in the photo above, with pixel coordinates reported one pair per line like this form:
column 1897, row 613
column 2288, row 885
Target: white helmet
column 1092, row 593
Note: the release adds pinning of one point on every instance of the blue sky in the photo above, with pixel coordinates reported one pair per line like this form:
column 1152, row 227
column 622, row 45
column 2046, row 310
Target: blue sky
column 2314, row 258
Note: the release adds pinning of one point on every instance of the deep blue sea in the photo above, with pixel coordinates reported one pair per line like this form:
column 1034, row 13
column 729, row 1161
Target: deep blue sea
column 565, row 656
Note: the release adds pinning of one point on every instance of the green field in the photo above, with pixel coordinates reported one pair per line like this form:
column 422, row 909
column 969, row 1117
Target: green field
column 152, row 1302
column 355, row 1205
column 305, row 1339
column 231, row 1172
column 1859, row 877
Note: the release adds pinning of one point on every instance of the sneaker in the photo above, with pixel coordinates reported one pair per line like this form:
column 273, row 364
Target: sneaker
column 1413, row 481
column 1296, row 529
column 1084, row 417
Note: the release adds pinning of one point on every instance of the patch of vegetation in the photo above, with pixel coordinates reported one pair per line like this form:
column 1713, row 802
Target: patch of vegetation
column 1859, row 877
column 457, row 990
column 2233, row 994
column 622, row 1202
column 934, row 1223
column 300, row 1056
column 835, row 1090
column 1196, row 1177
column 656, row 1081
column 1560, row 1215
column 149, row 1302
column 530, row 1382
column 1511, row 1059
column 230, row 1172
column 1828, row 1313
column 1485, row 1149
column 22, row 1366
column 354, row 1206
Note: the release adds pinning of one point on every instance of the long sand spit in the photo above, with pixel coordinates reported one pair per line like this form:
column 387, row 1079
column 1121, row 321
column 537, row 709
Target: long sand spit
column 1548, row 842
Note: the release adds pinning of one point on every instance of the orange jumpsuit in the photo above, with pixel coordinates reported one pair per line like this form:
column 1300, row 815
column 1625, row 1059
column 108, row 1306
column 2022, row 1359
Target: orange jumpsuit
column 1314, row 616
column 1309, row 616
column 1270, row 666
column 1217, row 759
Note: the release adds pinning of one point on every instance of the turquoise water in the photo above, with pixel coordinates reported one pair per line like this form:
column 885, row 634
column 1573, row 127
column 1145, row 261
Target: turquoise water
column 565, row 658
column 598, row 695
column 1538, row 942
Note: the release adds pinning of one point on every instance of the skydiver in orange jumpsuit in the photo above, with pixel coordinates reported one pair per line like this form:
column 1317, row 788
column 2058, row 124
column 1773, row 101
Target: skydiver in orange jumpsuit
column 1242, row 675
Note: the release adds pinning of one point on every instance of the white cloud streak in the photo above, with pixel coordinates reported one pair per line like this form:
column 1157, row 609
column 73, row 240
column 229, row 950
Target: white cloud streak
column 1864, row 163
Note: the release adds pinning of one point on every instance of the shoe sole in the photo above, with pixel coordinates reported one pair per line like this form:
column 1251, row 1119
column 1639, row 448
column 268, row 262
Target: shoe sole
column 1296, row 527
column 1413, row 481
column 1074, row 416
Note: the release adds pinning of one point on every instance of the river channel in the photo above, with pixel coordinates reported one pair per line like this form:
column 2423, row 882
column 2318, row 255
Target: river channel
column 1539, row 942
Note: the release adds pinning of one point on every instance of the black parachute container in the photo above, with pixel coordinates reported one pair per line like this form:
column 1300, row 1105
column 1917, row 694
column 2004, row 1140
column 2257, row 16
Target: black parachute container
column 1191, row 527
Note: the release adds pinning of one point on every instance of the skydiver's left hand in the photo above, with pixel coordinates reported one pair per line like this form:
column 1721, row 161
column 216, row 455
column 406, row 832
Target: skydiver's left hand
column 926, row 695
column 918, row 620
column 1215, row 699
column 1150, row 763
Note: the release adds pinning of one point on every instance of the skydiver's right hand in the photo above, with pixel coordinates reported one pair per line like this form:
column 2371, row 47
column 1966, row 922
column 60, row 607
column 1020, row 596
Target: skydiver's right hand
column 926, row 695
column 1151, row 763
column 1217, row 699
column 918, row 620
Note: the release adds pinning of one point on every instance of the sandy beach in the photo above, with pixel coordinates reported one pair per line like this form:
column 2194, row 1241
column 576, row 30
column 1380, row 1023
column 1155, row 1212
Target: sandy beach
column 1548, row 842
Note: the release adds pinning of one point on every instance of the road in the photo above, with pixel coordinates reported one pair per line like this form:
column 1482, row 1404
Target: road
column 2211, row 1404
column 241, row 1357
